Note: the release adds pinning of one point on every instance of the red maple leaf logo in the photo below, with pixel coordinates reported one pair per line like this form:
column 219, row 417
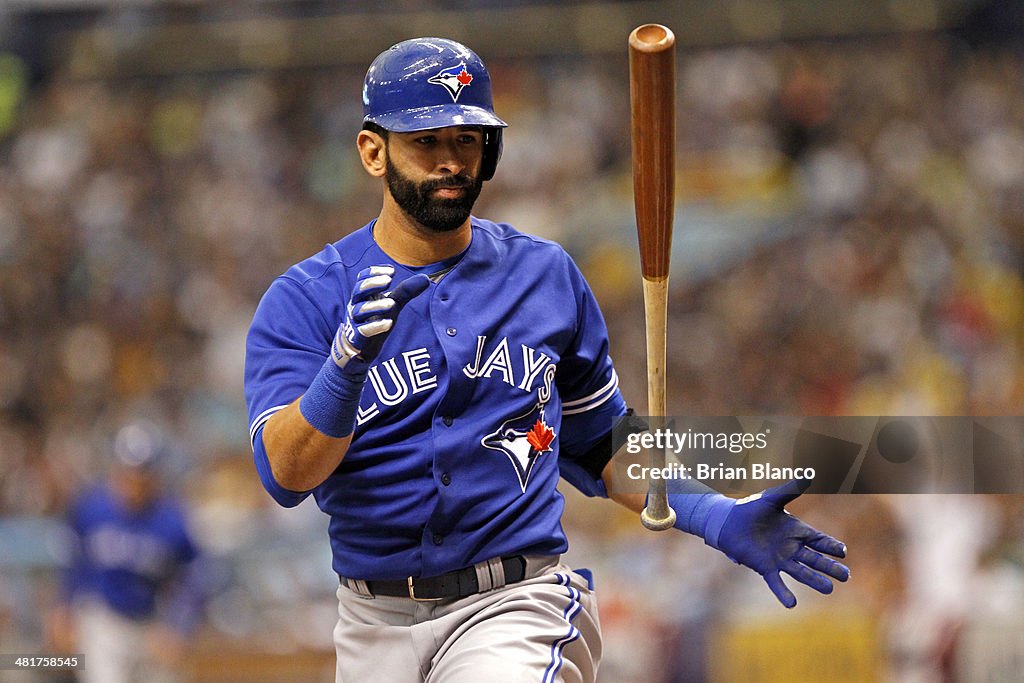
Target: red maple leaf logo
column 540, row 437
column 465, row 77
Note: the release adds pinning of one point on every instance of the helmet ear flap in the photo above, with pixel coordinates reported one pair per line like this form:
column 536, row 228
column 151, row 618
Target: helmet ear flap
column 491, row 152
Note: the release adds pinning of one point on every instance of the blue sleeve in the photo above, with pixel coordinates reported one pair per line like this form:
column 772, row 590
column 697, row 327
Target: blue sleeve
column 589, row 388
column 288, row 340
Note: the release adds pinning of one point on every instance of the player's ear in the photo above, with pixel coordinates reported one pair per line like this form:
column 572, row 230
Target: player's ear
column 372, row 152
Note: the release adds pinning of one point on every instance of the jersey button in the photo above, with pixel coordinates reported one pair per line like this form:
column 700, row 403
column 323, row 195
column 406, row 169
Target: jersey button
column 446, row 479
column 451, row 331
column 438, row 539
column 447, row 419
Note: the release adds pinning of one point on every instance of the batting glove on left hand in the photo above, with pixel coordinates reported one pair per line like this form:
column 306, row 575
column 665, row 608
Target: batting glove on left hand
column 758, row 533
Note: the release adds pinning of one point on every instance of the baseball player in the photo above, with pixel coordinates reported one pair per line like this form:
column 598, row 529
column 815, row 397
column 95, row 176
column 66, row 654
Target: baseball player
column 428, row 378
column 131, row 593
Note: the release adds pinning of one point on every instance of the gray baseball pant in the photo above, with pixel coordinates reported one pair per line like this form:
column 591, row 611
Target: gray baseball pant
column 543, row 629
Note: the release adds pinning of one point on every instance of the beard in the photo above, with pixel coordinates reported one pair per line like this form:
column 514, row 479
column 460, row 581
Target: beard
column 438, row 215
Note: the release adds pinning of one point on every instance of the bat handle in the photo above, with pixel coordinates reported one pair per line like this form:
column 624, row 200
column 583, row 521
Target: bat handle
column 657, row 516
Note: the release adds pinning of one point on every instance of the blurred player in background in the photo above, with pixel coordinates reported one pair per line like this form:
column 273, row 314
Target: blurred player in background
column 131, row 593
column 435, row 439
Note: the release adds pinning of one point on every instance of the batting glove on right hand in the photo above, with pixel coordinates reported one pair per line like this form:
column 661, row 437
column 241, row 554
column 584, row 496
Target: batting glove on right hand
column 370, row 315
column 758, row 533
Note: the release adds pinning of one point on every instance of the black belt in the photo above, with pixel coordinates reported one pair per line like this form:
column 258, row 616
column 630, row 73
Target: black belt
column 455, row 584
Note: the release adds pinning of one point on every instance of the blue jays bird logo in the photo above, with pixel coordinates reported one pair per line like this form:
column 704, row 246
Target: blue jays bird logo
column 522, row 439
column 453, row 79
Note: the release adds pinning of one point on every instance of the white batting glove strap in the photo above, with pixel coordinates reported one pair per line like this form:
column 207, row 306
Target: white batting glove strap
column 342, row 350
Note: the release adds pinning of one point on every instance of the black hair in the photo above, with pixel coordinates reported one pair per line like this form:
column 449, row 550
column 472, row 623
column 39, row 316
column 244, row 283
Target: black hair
column 375, row 128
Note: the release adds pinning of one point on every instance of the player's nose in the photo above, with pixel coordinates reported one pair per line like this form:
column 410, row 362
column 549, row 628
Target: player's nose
column 454, row 156
column 449, row 161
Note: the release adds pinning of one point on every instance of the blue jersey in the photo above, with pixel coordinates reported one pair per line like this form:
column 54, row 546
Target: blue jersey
column 491, row 384
column 129, row 558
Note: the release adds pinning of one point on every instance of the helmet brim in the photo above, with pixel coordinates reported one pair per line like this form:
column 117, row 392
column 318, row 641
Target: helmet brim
column 436, row 116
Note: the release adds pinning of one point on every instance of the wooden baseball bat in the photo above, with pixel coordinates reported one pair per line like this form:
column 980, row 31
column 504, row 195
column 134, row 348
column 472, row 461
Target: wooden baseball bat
column 652, row 87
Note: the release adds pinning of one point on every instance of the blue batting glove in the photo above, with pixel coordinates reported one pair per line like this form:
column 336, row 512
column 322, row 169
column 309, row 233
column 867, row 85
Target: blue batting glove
column 370, row 314
column 332, row 400
column 758, row 533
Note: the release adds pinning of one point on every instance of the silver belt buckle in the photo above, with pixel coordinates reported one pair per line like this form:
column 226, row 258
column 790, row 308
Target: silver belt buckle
column 412, row 593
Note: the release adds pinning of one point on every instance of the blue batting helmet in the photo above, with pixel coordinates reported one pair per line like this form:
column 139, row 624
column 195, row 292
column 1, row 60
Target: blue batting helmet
column 427, row 83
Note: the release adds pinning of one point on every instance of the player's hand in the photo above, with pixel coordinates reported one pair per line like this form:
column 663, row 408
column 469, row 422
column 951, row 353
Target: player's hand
column 758, row 533
column 371, row 314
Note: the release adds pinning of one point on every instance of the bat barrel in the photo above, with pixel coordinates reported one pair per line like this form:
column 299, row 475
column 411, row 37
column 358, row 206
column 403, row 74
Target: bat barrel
column 652, row 82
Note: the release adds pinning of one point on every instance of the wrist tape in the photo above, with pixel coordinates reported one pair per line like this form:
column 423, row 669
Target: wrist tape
column 699, row 510
column 331, row 402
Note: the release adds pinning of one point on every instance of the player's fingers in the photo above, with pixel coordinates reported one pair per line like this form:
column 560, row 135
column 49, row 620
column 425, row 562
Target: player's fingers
column 364, row 311
column 372, row 281
column 823, row 564
column 780, row 590
column 824, row 543
column 410, row 288
column 371, row 287
column 373, row 271
column 808, row 577
column 375, row 327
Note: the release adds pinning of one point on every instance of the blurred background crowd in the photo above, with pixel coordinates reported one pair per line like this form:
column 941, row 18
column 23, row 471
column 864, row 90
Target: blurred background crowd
column 849, row 241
